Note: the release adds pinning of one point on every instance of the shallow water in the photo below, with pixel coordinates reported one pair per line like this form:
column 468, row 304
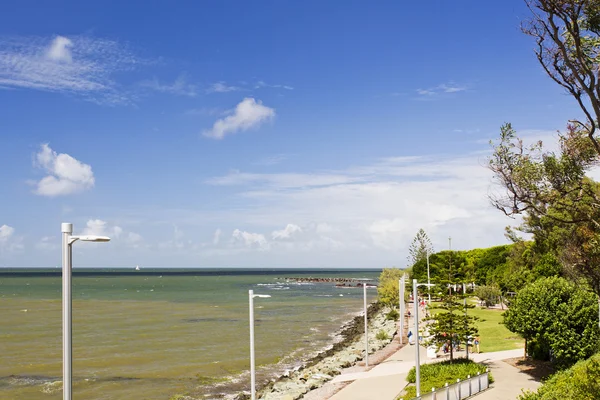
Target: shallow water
column 153, row 336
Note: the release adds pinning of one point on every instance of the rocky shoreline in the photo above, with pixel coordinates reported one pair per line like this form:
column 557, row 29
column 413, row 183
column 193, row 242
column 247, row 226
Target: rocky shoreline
column 329, row 363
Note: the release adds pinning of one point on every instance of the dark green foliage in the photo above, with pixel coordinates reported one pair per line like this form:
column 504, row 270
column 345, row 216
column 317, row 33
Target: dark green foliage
column 556, row 317
column 393, row 315
column 387, row 289
column 437, row 374
column 382, row 335
column 453, row 323
column 580, row 382
column 489, row 295
column 509, row 267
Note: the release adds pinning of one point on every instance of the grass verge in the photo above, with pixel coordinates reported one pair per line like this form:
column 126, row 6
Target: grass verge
column 493, row 334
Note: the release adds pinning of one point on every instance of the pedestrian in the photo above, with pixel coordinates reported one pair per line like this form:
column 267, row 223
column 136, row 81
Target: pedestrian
column 477, row 341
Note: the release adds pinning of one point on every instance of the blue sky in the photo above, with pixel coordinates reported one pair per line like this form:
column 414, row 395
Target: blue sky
column 267, row 134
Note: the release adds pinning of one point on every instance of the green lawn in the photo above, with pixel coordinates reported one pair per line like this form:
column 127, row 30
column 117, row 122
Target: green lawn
column 494, row 336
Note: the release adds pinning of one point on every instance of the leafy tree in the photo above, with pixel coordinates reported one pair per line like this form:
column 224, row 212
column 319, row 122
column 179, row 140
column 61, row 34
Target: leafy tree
column 388, row 289
column 488, row 294
column 567, row 34
column 558, row 316
column 420, row 247
column 561, row 204
column 453, row 323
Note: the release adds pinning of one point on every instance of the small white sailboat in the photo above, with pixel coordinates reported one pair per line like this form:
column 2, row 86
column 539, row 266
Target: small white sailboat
column 137, row 267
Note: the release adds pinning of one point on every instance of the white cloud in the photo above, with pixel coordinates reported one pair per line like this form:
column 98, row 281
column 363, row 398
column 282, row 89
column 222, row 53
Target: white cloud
column 283, row 180
column 78, row 65
column 217, row 237
column 250, row 240
column 262, row 84
column 101, row 228
column 134, row 238
column 8, row 240
column 443, row 88
column 370, row 211
column 66, row 174
column 60, row 49
column 272, row 160
column 249, row 113
column 289, row 231
column 180, row 87
column 222, row 87
column 47, row 243
column 6, row 232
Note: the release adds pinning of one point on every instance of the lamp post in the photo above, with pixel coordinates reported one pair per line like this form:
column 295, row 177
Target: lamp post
column 428, row 279
column 251, row 297
column 67, row 306
column 417, row 355
column 401, row 284
column 366, row 327
column 466, row 322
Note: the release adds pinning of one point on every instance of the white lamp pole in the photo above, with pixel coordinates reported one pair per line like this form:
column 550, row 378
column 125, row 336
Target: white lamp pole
column 417, row 353
column 428, row 279
column 251, row 297
column 366, row 327
column 401, row 284
column 67, row 306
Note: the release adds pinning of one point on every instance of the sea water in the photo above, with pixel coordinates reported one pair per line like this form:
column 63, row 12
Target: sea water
column 155, row 333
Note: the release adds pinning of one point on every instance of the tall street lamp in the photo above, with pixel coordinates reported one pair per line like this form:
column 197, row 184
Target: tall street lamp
column 251, row 297
column 67, row 306
column 417, row 355
column 401, row 284
column 428, row 279
column 366, row 329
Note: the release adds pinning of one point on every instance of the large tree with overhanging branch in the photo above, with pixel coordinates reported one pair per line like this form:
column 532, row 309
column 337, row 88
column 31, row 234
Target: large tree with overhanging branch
column 559, row 201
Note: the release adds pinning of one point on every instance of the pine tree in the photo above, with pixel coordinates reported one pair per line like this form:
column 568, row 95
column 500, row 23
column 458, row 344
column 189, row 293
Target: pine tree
column 420, row 246
column 453, row 323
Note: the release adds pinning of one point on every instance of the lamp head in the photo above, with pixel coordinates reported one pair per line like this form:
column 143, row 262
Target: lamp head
column 92, row 238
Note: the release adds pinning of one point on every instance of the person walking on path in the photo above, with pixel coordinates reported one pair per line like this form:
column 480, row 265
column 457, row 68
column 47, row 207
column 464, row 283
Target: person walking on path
column 477, row 341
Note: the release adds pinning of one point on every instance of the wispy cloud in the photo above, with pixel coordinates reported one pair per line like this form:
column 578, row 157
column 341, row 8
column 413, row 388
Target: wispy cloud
column 66, row 175
column 180, row 87
column 450, row 87
column 77, row 65
column 249, row 113
column 263, row 84
column 8, row 240
column 222, row 87
column 272, row 160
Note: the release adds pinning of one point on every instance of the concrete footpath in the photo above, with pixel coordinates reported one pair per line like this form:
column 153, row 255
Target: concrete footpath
column 386, row 380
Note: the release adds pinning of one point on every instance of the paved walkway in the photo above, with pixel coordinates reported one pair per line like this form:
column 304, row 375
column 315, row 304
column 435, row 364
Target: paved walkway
column 386, row 380
column 509, row 382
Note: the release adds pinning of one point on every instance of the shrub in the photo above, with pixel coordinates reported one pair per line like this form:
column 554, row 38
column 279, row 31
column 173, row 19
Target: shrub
column 581, row 382
column 393, row 315
column 437, row 374
column 490, row 295
column 387, row 289
column 382, row 335
column 556, row 317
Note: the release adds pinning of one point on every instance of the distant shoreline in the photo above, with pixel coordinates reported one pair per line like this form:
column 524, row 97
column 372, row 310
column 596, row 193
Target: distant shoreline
column 191, row 271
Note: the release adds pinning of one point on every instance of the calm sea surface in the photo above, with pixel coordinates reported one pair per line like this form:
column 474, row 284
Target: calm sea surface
column 156, row 333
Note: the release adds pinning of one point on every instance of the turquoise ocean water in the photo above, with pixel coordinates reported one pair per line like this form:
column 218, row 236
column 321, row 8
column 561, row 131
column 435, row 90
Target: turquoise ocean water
column 159, row 332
